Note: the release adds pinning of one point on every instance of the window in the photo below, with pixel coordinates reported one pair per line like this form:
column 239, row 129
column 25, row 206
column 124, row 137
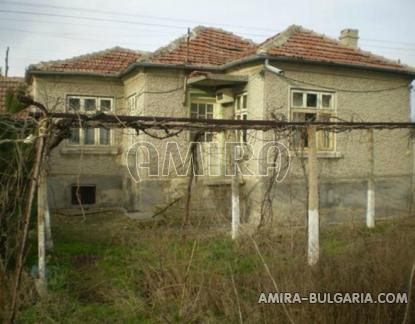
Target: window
column 202, row 111
column 326, row 100
column 132, row 104
column 105, row 104
column 83, row 195
column 312, row 106
column 241, row 113
column 74, row 104
column 89, row 105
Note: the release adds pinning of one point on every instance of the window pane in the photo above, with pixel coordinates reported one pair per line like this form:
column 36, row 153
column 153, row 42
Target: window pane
column 310, row 117
column 245, row 136
column 209, row 108
column 326, row 100
column 74, row 139
column 311, row 100
column 74, row 104
column 208, row 137
column 89, row 136
column 298, row 117
column 325, row 137
column 245, row 132
column 131, row 103
column 325, row 140
column 106, row 105
column 300, row 137
column 324, row 117
column 104, row 136
column 89, row 104
column 238, row 103
column 298, row 99
column 193, row 110
column 202, row 111
column 244, row 102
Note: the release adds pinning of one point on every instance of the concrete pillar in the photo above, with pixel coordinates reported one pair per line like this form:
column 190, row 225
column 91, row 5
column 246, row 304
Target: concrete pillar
column 313, row 213
column 370, row 209
column 41, row 237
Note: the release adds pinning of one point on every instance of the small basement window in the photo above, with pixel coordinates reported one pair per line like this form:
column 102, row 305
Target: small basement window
column 84, row 195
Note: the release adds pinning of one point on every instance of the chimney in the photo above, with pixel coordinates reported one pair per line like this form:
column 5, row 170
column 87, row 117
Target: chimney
column 349, row 37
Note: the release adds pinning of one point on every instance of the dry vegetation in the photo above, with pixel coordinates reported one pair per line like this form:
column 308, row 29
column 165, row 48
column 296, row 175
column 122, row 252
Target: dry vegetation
column 109, row 269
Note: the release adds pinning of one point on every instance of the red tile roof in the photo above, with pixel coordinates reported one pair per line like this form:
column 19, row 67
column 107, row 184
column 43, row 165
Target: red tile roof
column 5, row 84
column 207, row 47
column 298, row 43
column 110, row 61
column 212, row 47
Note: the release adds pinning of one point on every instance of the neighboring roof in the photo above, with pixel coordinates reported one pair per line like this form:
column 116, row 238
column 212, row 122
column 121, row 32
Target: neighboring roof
column 108, row 62
column 301, row 44
column 207, row 47
column 5, row 84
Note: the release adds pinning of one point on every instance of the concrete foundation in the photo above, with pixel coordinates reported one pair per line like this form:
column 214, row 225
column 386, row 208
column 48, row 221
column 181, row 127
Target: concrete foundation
column 339, row 201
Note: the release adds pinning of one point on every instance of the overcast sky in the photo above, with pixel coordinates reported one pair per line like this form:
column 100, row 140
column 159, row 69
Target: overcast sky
column 41, row 30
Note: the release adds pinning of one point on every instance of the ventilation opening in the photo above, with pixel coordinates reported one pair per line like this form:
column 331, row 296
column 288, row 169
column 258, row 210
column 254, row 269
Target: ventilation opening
column 84, row 195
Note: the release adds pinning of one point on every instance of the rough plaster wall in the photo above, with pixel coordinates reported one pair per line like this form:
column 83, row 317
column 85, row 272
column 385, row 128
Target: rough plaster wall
column 57, row 88
column 380, row 106
column 134, row 86
column 92, row 166
column 253, row 188
column 392, row 153
column 255, row 89
column 163, row 96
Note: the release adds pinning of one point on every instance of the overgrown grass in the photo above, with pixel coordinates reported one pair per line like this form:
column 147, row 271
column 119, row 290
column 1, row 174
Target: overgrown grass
column 112, row 270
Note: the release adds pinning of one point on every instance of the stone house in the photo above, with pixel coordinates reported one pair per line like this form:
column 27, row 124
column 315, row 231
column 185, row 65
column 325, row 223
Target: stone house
column 210, row 73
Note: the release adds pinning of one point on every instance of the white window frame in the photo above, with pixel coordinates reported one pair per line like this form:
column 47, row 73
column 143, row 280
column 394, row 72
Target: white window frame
column 239, row 114
column 319, row 110
column 132, row 103
column 83, row 111
column 207, row 136
column 111, row 100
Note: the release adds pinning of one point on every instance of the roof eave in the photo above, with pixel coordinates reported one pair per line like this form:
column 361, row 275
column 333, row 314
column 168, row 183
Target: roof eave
column 222, row 68
column 30, row 73
column 254, row 58
column 192, row 67
column 347, row 65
